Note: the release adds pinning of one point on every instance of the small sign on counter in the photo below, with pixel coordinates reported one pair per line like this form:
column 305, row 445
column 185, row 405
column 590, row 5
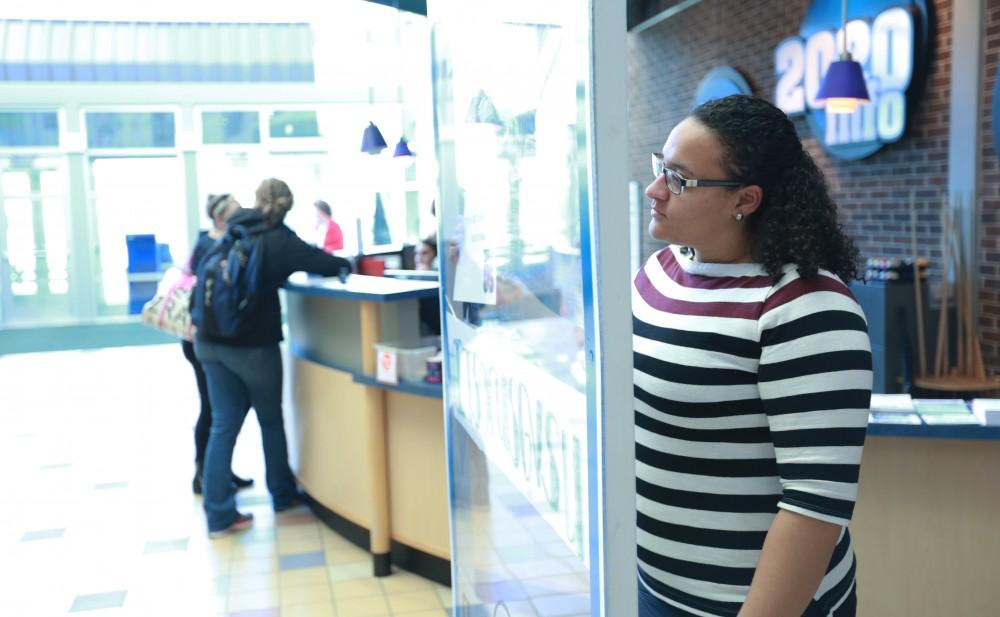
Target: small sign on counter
column 387, row 366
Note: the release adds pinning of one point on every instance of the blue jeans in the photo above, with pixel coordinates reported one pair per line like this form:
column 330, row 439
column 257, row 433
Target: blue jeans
column 651, row 606
column 240, row 377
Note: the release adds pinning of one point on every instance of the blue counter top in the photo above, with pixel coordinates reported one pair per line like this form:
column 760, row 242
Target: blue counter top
column 409, row 387
column 360, row 287
column 936, row 431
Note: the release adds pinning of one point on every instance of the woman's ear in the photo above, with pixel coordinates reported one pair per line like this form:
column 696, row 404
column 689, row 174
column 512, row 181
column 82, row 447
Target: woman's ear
column 749, row 199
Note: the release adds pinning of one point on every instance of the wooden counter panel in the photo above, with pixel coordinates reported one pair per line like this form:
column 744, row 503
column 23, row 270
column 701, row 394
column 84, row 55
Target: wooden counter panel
column 418, row 480
column 330, row 432
column 927, row 528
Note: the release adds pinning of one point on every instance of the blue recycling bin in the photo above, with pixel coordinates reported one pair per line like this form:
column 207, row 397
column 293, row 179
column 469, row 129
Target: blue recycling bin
column 144, row 259
column 163, row 258
column 142, row 253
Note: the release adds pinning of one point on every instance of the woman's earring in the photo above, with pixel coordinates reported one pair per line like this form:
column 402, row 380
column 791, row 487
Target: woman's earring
column 739, row 216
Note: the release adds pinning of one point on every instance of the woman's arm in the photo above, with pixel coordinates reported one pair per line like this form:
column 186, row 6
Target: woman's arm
column 794, row 559
column 294, row 255
column 814, row 379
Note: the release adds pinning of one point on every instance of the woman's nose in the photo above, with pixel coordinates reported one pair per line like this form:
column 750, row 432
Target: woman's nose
column 657, row 189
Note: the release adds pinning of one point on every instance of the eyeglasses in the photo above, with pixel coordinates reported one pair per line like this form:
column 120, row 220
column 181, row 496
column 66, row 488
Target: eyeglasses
column 677, row 183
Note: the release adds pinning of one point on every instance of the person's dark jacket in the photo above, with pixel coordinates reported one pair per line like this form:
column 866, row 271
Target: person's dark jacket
column 201, row 247
column 284, row 253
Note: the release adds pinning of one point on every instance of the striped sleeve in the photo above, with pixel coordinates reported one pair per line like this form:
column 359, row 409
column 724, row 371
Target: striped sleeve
column 815, row 381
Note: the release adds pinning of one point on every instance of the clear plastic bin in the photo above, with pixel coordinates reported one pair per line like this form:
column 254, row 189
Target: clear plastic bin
column 411, row 362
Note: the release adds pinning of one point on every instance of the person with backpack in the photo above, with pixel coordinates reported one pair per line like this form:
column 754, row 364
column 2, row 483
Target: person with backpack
column 236, row 310
column 219, row 208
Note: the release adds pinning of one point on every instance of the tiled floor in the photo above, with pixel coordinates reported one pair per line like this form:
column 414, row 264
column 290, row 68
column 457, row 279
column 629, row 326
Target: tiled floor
column 97, row 515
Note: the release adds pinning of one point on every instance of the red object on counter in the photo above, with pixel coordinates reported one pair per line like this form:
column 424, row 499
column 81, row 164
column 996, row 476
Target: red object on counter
column 371, row 266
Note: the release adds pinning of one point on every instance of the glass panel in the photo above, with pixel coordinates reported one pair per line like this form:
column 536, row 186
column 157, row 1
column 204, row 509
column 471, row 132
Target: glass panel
column 20, row 246
column 237, row 173
column 16, row 184
column 51, row 182
column 56, row 241
column 130, row 130
column 34, row 260
column 135, row 196
column 294, row 124
column 29, row 128
column 230, row 127
column 514, row 170
column 347, row 183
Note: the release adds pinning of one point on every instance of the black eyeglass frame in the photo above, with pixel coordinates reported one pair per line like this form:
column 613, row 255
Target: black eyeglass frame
column 659, row 168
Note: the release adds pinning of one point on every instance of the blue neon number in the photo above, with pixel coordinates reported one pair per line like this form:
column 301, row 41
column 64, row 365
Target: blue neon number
column 884, row 47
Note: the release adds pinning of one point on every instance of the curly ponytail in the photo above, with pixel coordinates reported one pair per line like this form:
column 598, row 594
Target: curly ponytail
column 274, row 200
column 797, row 219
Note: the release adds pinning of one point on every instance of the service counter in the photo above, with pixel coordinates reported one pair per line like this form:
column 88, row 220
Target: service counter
column 370, row 456
column 371, row 459
column 927, row 525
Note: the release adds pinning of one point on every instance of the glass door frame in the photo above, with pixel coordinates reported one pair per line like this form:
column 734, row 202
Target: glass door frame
column 7, row 311
column 90, row 154
column 613, row 431
column 178, row 253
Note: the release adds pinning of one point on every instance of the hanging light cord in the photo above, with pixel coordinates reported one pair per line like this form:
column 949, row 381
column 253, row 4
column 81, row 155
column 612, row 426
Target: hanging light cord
column 844, row 54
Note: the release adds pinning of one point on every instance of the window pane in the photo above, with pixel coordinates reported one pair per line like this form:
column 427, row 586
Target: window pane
column 56, row 243
column 29, row 128
column 20, row 246
column 515, row 274
column 52, row 183
column 230, row 127
column 294, row 124
column 16, row 184
column 135, row 196
column 34, row 280
column 130, row 130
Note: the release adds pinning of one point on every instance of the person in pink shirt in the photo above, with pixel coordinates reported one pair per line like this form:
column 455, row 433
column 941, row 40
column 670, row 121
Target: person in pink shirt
column 329, row 233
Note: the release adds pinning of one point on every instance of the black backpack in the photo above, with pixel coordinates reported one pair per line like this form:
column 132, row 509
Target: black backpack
column 230, row 279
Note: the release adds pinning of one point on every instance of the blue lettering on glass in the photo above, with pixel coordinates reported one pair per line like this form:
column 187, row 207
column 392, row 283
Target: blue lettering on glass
column 543, row 456
column 888, row 38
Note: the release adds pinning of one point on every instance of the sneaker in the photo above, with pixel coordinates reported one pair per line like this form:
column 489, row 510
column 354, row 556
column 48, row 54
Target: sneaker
column 240, row 523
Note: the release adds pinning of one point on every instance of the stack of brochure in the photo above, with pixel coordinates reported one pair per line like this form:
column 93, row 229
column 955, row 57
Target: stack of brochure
column 892, row 409
column 987, row 411
column 944, row 411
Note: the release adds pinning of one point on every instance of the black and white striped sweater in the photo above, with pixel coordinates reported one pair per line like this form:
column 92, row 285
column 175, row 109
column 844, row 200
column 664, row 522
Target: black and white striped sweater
column 750, row 396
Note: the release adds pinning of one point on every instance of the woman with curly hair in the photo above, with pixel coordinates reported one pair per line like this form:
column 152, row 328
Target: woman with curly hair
column 752, row 376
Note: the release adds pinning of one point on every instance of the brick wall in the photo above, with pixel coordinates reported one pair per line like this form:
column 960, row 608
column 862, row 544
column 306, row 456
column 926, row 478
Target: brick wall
column 990, row 190
column 667, row 62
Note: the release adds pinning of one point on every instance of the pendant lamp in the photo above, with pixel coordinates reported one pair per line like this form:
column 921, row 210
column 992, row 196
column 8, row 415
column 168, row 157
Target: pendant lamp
column 402, row 149
column 843, row 87
column 372, row 142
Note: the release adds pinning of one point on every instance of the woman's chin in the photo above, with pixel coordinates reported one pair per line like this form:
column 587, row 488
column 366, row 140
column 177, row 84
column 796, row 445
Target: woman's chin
column 658, row 231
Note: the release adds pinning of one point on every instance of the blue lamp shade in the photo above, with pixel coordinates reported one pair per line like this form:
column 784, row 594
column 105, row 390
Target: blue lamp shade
column 372, row 142
column 402, row 149
column 843, row 87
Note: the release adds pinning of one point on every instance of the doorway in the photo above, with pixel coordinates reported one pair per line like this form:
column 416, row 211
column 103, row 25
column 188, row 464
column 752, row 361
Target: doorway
column 35, row 284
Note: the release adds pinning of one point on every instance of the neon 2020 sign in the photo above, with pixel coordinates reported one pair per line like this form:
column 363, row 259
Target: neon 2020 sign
column 890, row 41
